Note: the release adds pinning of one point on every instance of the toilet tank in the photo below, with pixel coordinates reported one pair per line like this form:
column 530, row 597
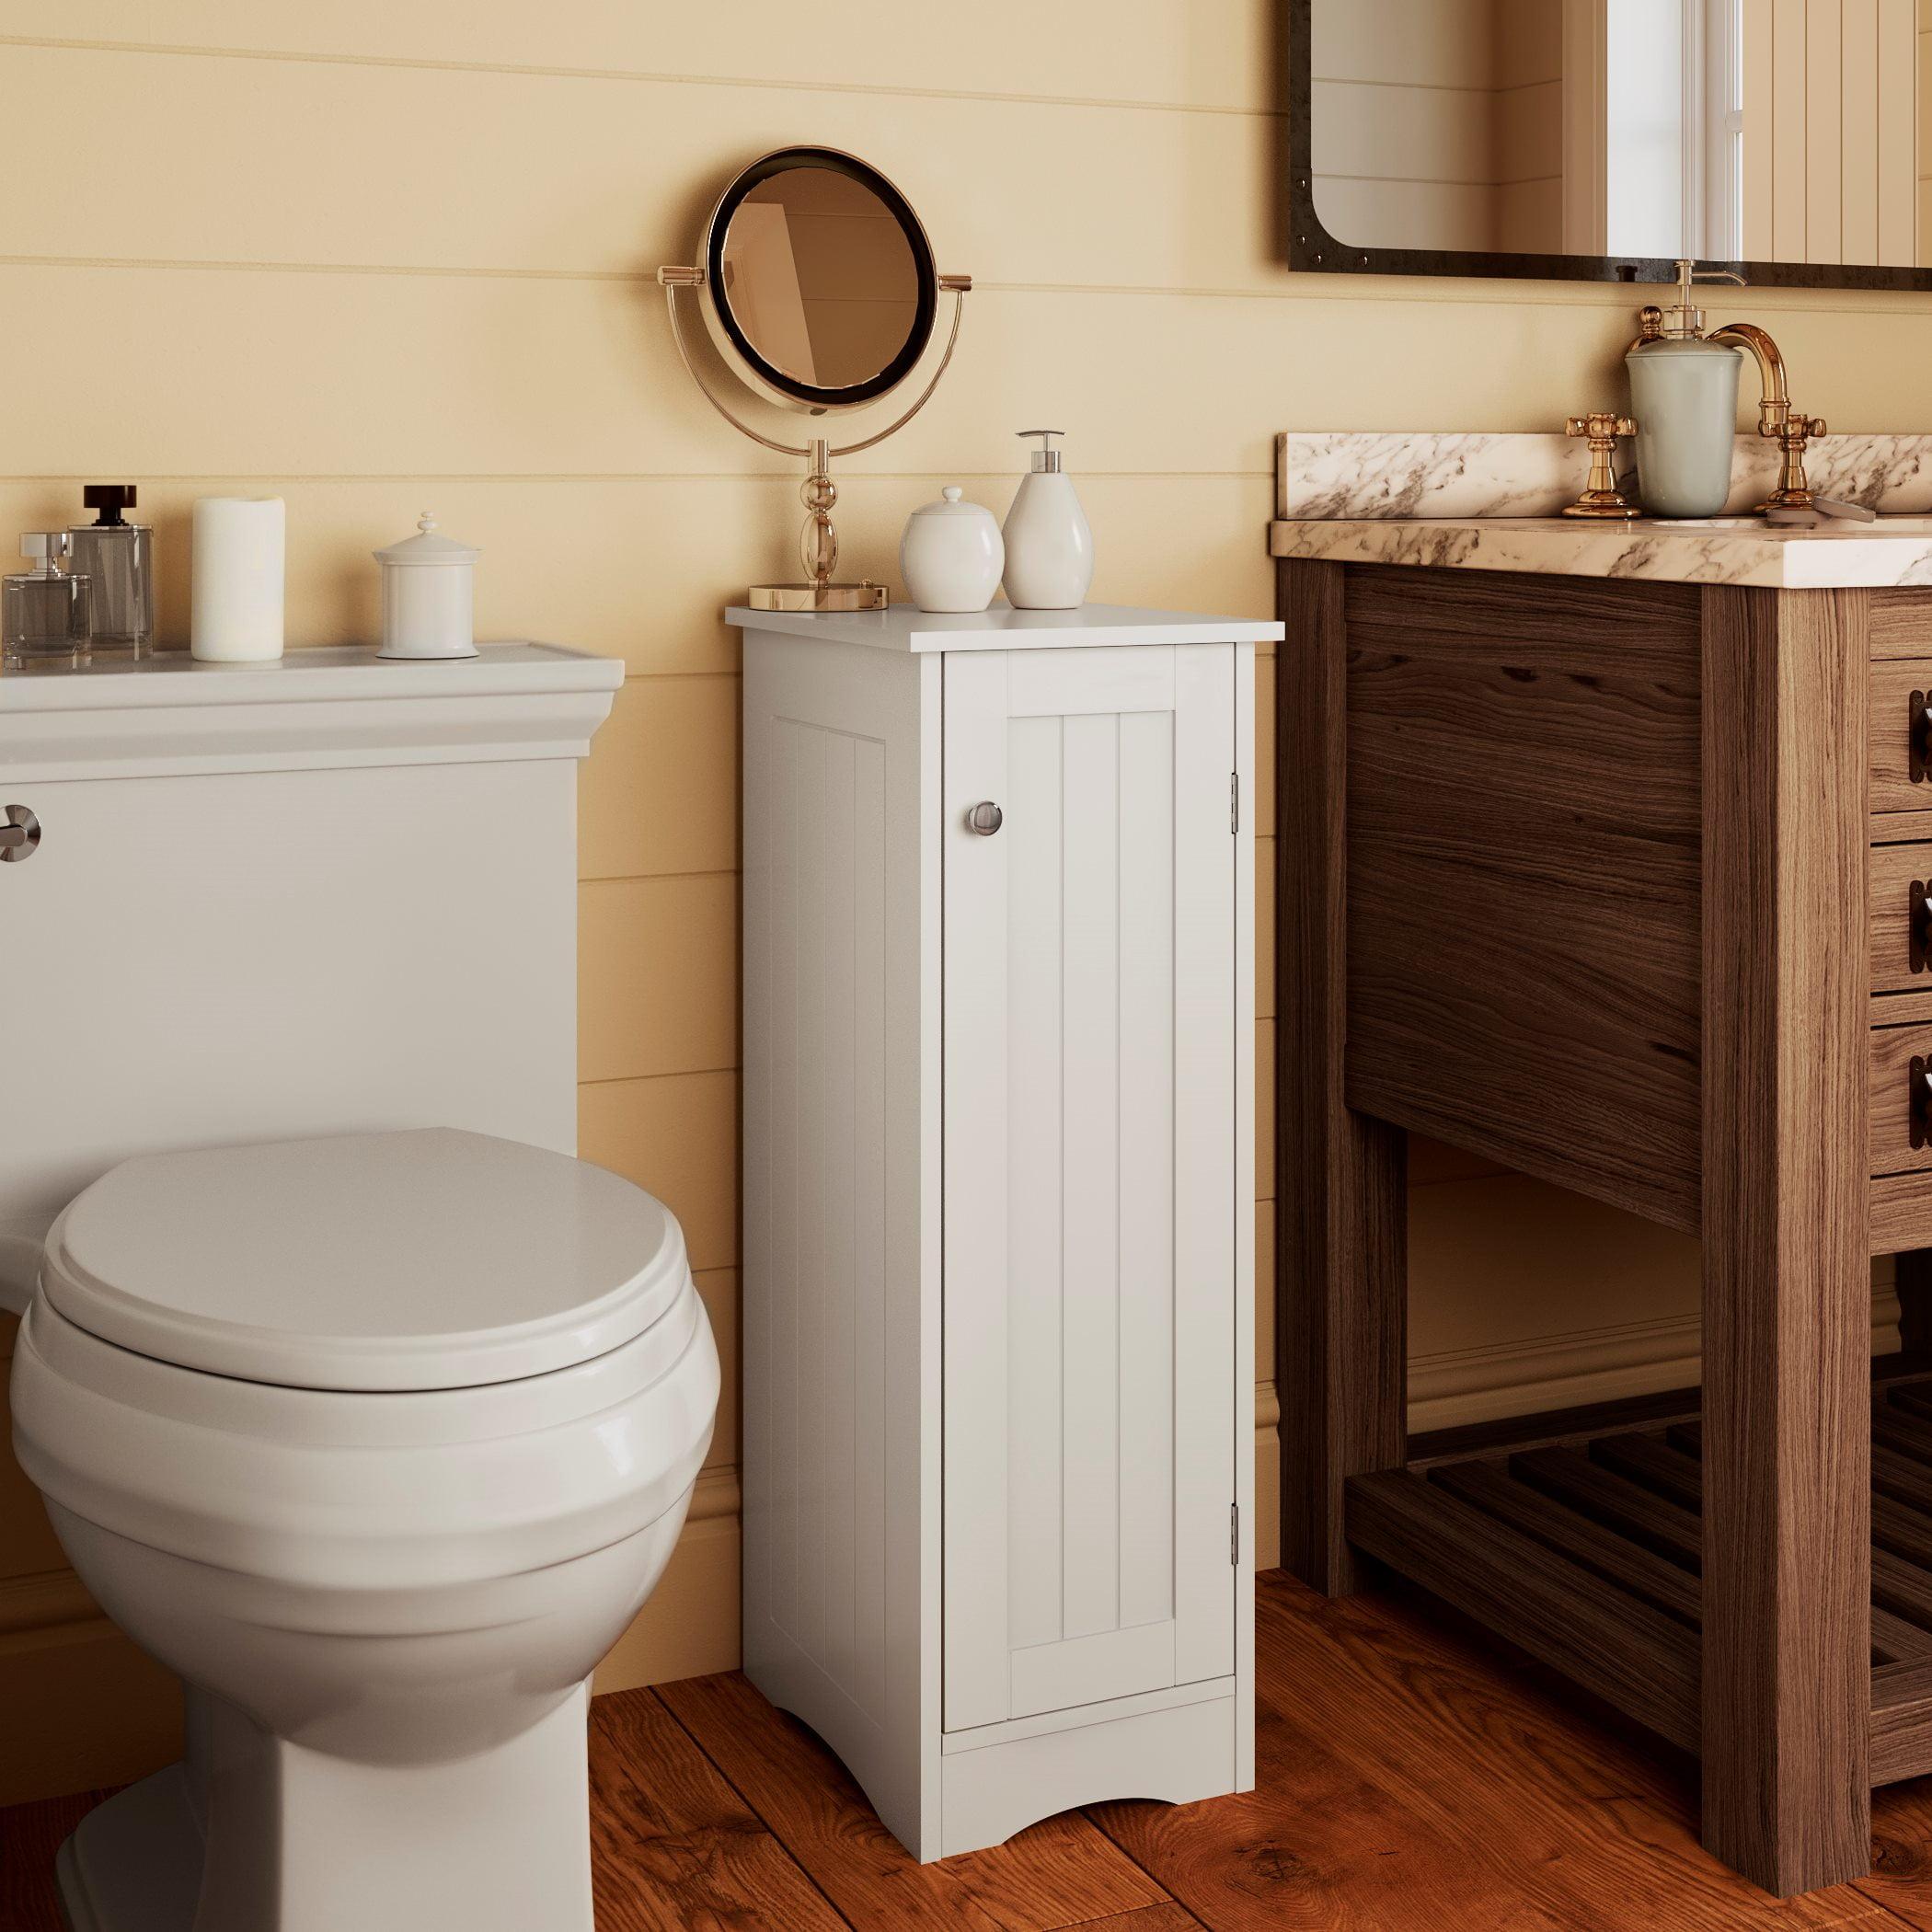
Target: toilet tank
column 267, row 901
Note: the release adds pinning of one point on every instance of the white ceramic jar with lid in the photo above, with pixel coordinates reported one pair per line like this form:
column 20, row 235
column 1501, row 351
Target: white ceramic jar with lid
column 952, row 554
column 429, row 595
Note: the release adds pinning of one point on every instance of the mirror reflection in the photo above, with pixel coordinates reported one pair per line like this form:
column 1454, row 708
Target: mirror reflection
column 820, row 278
column 1728, row 129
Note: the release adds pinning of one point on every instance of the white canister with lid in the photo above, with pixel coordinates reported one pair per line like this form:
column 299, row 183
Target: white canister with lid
column 429, row 595
column 952, row 554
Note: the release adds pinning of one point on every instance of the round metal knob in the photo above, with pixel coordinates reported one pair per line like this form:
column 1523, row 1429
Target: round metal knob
column 986, row 818
column 20, row 835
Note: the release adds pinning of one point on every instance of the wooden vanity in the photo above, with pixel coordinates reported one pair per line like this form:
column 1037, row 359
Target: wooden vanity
column 1627, row 885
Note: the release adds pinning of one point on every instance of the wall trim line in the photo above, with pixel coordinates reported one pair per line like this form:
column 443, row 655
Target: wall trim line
column 1498, row 1379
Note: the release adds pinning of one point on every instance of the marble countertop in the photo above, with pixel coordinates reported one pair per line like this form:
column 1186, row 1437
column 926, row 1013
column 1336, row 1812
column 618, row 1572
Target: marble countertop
column 1895, row 550
column 1492, row 502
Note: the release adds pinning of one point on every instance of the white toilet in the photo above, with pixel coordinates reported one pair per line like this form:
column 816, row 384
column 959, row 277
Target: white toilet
column 354, row 1397
column 379, row 1441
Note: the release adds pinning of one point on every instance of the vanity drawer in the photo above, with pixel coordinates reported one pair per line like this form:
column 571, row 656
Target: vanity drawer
column 1902, row 918
column 1900, row 743
column 1900, row 1099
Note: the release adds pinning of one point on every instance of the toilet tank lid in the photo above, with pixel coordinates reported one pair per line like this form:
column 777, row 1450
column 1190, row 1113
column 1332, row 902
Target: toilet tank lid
column 423, row 1260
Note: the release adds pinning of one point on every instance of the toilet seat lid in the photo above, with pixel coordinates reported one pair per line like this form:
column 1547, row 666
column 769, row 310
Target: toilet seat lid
column 426, row 1260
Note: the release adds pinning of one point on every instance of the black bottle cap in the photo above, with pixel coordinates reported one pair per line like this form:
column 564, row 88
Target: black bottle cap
column 111, row 500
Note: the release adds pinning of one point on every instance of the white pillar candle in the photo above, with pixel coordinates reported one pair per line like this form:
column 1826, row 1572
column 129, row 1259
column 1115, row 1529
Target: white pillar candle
column 239, row 543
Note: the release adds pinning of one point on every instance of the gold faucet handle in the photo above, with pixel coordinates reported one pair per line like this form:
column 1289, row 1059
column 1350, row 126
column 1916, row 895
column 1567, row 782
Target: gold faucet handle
column 1794, row 490
column 1601, row 496
column 1602, row 426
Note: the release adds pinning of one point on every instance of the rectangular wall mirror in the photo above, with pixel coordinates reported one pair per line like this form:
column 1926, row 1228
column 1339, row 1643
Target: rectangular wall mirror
column 1596, row 140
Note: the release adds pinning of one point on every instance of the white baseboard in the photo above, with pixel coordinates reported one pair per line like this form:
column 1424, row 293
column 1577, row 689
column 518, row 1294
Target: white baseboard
column 1520, row 1378
column 715, row 1493
column 1590, row 1366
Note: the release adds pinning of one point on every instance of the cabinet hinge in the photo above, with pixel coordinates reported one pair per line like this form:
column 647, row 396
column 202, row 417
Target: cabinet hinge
column 1234, row 1533
column 1234, row 801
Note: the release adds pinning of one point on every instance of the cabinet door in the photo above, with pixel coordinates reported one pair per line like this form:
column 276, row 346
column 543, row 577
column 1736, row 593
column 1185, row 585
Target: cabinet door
column 1090, row 1177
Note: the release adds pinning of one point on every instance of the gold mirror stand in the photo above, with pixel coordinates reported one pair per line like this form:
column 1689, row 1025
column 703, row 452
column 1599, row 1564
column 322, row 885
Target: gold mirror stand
column 818, row 543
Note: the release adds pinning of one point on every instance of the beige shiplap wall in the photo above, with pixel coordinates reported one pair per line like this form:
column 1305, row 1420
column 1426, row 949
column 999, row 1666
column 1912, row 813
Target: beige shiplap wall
column 374, row 256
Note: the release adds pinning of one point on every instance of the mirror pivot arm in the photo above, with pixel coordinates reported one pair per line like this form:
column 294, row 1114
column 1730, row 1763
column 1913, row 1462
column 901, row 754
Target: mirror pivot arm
column 670, row 281
column 960, row 285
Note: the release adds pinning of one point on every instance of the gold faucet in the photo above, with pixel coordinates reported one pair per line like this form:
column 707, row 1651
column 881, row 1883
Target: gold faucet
column 1777, row 420
column 1792, row 428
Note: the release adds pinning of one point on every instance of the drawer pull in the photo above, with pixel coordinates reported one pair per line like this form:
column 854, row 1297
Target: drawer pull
column 1919, row 736
column 1918, row 924
column 1921, row 1101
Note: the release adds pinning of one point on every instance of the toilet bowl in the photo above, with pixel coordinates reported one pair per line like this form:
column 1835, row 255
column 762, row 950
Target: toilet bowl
column 380, row 1442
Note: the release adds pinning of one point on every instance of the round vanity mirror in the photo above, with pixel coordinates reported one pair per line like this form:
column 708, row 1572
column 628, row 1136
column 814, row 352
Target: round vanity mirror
column 821, row 284
column 819, row 290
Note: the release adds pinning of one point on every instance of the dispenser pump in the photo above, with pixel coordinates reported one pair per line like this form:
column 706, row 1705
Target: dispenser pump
column 1683, row 321
column 111, row 500
column 45, row 548
column 1046, row 458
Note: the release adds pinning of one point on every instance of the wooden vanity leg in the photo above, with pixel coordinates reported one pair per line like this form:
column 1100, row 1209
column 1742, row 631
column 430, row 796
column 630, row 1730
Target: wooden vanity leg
column 1340, row 1325
column 1786, row 1692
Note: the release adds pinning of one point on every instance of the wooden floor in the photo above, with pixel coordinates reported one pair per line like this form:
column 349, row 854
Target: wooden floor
column 1409, row 1782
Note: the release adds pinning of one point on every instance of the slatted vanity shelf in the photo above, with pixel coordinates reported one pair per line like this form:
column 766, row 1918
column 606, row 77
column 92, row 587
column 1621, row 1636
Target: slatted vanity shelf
column 1625, row 882
column 1580, row 1540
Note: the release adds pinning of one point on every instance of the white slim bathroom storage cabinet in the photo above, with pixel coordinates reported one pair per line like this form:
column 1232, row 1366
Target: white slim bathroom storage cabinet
column 1000, row 1154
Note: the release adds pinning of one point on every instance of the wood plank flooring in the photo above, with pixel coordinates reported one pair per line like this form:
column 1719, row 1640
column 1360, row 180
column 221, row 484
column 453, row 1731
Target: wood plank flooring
column 1411, row 1780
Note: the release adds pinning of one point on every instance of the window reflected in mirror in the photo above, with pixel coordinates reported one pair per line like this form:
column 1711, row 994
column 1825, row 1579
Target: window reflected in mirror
column 1768, row 130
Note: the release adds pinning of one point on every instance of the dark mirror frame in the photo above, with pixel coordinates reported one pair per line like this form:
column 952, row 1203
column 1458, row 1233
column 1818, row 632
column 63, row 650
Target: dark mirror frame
column 1311, row 250
column 927, row 311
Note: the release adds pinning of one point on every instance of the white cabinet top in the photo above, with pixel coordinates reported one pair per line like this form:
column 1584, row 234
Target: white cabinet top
column 904, row 627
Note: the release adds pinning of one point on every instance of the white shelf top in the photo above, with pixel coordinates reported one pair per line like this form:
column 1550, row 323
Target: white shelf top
column 904, row 627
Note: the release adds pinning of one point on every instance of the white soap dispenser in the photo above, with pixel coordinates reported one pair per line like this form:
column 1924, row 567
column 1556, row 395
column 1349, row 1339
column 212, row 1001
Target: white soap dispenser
column 1050, row 549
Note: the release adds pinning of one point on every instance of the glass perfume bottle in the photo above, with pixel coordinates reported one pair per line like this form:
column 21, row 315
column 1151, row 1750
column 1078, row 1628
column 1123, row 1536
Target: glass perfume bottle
column 46, row 615
column 117, row 558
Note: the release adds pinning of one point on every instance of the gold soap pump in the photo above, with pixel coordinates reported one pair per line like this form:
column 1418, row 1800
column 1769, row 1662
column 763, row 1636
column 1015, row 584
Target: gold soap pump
column 1684, row 387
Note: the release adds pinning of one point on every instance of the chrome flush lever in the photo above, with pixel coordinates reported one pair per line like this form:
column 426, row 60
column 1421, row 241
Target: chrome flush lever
column 20, row 835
